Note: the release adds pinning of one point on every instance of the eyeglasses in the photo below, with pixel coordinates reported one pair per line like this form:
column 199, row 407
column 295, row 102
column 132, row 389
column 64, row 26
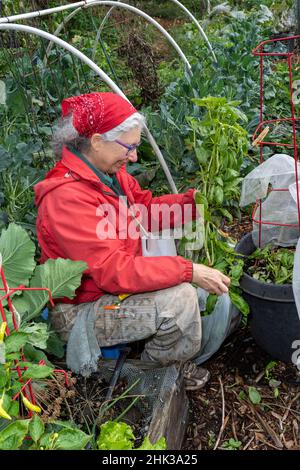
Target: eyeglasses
column 130, row 148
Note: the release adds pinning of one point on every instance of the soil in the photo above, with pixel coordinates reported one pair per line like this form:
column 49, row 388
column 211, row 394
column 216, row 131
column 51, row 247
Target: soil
column 238, row 228
column 223, row 410
column 222, row 414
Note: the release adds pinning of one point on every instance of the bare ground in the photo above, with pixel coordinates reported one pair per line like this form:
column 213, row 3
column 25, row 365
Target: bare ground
column 223, row 409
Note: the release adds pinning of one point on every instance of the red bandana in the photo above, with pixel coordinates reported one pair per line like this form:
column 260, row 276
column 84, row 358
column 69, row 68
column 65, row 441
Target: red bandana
column 97, row 113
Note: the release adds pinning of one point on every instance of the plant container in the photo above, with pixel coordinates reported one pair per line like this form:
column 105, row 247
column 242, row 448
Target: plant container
column 274, row 319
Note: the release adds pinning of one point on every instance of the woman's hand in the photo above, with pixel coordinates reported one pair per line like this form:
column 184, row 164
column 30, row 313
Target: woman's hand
column 212, row 280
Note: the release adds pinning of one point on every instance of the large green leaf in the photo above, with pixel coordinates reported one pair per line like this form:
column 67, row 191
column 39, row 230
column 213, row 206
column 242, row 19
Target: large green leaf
column 36, row 371
column 17, row 251
column 115, row 436
column 15, row 341
column 12, row 436
column 38, row 334
column 36, row 428
column 35, row 355
column 239, row 302
column 61, row 276
column 72, row 439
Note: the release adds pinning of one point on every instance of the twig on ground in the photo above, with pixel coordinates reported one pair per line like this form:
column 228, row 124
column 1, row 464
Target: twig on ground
column 248, row 443
column 259, row 376
column 233, row 425
column 266, row 426
column 289, row 407
column 267, row 443
column 224, row 420
column 296, row 431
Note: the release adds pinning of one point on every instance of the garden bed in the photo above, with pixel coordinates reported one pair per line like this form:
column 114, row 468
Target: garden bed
column 85, row 403
column 223, row 416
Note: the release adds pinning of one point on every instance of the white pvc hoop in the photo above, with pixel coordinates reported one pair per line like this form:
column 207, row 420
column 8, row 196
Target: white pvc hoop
column 34, row 14
column 25, row 16
column 196, row 22
column 115, row 4
column 102, row 75
column 186, row 10
column 88, row 3
column 100, row 29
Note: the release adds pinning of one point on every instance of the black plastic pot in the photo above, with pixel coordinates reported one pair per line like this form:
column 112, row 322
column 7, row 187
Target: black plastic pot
column 274, row 319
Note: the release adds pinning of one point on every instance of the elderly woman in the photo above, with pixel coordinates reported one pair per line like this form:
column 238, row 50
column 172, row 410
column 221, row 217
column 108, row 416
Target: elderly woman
column 99, row 133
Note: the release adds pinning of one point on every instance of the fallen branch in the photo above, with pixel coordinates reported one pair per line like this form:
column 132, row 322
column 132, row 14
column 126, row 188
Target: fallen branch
column 267, row 443
column 248, row 443
column 266, row 426
column 224, row 420
column 233, row 426
column 289, row 407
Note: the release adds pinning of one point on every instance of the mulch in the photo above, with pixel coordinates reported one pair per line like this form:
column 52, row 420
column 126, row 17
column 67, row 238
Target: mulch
column 222, row 414
column 238, row 228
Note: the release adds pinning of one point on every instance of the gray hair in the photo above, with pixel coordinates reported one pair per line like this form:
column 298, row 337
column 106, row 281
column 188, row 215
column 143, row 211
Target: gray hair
column 66, row 134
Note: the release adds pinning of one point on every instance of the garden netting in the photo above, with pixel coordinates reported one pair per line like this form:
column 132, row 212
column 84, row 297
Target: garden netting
column 153, row 385
column 275, row 181
column 278, row 207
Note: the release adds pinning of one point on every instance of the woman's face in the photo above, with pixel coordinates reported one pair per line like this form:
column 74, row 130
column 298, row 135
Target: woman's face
column 109, row 157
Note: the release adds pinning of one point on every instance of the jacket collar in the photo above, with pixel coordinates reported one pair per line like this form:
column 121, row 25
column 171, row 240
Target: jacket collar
column 78, row 164
column 74, row 164
column 111, row 186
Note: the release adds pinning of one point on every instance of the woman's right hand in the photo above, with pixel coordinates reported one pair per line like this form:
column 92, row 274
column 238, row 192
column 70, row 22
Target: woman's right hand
column 212, row 280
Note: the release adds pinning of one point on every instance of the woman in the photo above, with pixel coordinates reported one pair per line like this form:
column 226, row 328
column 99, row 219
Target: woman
column 98, row 135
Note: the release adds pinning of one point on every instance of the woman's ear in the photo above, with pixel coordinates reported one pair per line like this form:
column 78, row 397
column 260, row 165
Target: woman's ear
column 96, row 142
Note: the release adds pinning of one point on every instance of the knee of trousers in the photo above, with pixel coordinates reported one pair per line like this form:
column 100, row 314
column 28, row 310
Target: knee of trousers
column 186, row 307
column 187, row 290
column 180, row 303
column 188, row 295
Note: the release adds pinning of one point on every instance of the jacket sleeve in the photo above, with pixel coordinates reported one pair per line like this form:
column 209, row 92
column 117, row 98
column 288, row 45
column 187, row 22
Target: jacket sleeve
column 115, row 270
column 167, row 211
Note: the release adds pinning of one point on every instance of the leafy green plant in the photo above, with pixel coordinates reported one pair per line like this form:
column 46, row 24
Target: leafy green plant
column 234, row 76
column 12, row 358
column 33, row 434
column 273, row 383
column 254, row 395
column 119, row 436
column 227, row 261
column 231, row 444
column 61, row 276
column 220, row 144
column 272, row 265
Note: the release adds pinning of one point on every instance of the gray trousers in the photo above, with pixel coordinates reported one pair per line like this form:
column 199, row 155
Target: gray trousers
column 169, row 320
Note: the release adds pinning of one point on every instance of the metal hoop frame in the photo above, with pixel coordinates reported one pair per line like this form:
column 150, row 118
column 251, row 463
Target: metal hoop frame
column 102, row 75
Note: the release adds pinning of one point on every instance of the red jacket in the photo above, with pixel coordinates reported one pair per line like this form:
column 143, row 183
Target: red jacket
column 67, row 201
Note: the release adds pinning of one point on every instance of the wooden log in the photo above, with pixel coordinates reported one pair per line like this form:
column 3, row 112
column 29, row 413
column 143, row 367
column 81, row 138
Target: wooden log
column 170, row 416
